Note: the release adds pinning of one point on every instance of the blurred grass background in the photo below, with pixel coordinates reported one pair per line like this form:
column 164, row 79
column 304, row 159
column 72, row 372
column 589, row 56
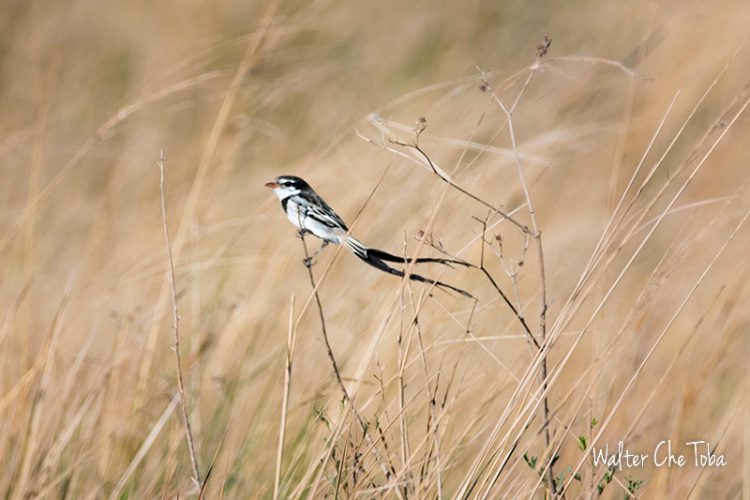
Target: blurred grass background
column 90, row 92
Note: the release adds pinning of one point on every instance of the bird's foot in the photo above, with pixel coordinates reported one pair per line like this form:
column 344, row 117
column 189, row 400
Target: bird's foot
column 308, row 262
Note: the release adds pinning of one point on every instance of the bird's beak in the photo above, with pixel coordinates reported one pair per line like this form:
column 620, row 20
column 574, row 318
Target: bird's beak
column 272, row 184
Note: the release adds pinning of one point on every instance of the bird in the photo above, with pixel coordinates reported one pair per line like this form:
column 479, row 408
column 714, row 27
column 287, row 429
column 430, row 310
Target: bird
column 309, row 213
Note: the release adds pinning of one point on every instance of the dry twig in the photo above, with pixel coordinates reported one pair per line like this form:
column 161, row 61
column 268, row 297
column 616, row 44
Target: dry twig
column 291, row 337
column 175, row 327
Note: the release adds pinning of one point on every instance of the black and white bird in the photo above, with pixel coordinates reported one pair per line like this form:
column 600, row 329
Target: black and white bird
column 309, row 213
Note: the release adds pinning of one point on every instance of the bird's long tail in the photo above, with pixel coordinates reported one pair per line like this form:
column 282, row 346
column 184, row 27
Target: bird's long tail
column 361, row 250
column 376, row 259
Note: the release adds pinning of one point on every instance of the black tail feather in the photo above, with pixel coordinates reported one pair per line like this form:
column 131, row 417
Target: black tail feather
column 376, row 261
column 381, row 255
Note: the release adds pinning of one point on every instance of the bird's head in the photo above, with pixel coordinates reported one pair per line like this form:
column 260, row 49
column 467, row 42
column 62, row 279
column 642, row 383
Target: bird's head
column 287, row 185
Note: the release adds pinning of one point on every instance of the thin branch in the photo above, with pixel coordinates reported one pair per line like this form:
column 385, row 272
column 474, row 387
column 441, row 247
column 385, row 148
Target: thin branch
column 388, row 470
column 175, row 327
column 433, row 425
column 537, row 235
column 471, row 195
column 499, row 290
column 291, row 337
column 334, row 364
column 435, row 170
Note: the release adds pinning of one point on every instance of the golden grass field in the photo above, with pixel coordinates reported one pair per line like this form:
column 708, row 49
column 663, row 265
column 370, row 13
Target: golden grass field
column 628, row 140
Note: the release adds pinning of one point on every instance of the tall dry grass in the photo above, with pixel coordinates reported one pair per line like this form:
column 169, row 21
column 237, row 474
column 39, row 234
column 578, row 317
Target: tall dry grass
column 600, row 191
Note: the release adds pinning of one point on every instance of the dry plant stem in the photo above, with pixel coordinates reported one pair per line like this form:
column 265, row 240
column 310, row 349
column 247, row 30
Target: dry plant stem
column 668, row 369
column 504, row 215
column 285, row 397
column 145, row 447
column 662, row 334
column 432, row 420
column 661, row 216
column 401, row 363
column 458, row 188
column 439, row 173
column 692, row 174
column 37, row 408
column 700, row 481
column 499, row 290
column 606, row 352
column 425, row 442
column 621, row 210
column 336, row 371
column 388, row 470
column 249, row 59
column 175, row 327
column 730, row 120
column 537, row 235
column 202, row 492
column 614, row 223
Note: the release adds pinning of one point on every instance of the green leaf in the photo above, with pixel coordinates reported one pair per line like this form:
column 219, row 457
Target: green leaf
column 633, row 484
column 582, row 443
column 608, row 476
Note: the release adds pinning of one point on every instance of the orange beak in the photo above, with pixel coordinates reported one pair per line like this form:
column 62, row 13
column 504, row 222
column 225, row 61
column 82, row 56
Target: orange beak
column 272, row 184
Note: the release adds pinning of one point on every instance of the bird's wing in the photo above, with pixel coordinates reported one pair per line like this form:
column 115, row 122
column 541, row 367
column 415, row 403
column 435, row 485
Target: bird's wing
column 318, row 209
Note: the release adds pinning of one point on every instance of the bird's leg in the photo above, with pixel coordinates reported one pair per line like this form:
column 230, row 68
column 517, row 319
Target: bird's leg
column 308, row 261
